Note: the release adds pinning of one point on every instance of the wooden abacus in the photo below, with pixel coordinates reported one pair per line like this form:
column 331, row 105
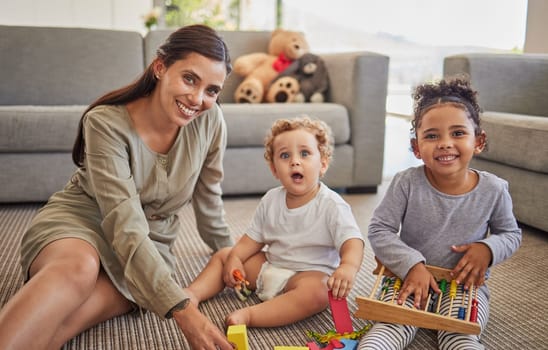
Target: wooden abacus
column 370, row 308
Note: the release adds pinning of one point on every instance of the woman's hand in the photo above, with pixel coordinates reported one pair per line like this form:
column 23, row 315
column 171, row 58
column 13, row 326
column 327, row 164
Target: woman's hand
column 418, row 283
column 199, row 331
column 471, row 268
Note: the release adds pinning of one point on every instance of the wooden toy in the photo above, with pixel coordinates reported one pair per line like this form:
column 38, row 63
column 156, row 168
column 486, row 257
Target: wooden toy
column 370, row 308
column 334, row 339
column 237, row 334
column 340, row 314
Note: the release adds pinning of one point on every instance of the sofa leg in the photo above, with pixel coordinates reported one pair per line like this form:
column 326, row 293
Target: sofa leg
column 361, row 190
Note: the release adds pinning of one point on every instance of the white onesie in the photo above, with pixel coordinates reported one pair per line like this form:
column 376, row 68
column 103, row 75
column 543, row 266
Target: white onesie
column 307, row 238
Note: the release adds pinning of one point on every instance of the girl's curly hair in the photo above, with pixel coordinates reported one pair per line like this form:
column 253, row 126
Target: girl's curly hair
column 318, row 128
column 455, row 91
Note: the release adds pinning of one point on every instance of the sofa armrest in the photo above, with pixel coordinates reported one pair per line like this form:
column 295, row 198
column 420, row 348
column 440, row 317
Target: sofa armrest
column 359, row 81
column 509, row 83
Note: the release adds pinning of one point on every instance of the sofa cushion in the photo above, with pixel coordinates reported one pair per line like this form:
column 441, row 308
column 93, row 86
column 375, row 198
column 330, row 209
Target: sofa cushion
column 517, row 140
column 65, row 66
column 248, row 124
column 38, row 128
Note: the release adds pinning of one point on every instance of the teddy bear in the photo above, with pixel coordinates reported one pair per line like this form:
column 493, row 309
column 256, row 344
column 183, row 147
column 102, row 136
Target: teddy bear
column 283, row 90
column 259, row 69
column 311, row 74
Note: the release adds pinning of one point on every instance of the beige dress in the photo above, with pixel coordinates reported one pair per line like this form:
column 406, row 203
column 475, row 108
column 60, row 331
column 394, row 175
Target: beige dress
column 125, row 199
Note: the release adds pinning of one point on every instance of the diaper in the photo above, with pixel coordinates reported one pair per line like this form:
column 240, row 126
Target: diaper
column 271, row 281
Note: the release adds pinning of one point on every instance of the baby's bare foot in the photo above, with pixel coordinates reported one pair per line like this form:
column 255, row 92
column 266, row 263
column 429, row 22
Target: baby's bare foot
column 241, row 316
column 193, row 299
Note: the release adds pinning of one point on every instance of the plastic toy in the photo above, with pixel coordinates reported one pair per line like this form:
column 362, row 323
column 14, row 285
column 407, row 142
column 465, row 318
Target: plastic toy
column 241, row 287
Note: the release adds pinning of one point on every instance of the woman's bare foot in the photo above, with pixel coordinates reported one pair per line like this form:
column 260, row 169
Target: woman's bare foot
column 241, row 316
column 193, row 299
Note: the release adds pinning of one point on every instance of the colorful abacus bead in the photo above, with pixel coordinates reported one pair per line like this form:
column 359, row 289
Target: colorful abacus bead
column 462, row 308
column 474, row 312
column 452, row 295
column 385, row 285
column 397, row 286
column 443, row 288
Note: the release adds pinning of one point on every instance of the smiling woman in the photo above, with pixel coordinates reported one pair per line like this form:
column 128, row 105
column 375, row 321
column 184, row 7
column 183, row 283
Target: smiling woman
column 105, row 240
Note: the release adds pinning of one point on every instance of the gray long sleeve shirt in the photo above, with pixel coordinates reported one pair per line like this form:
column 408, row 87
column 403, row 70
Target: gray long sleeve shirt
column 417, row 223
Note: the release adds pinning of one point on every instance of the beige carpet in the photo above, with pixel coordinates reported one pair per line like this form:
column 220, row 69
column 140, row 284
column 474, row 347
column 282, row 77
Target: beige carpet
column 518, row 305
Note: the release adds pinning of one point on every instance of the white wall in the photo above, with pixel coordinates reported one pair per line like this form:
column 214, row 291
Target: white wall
column 110, row 14
column 258, row 14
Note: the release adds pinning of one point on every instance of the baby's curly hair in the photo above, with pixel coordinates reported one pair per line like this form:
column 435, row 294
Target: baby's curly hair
column 318, row 128
column 455, row 91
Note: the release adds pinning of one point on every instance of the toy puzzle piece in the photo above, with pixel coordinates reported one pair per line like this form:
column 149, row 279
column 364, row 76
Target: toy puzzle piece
column 335, row 344
column 340, row 314
column 349, row 344
column 237, row 334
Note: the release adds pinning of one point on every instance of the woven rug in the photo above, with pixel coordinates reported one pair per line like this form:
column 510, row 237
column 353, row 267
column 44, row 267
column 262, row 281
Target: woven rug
column 518, row 307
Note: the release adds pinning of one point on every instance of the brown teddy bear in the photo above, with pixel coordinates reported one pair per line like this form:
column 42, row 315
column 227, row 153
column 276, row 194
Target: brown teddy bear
column 260, row 69
column 283, row 90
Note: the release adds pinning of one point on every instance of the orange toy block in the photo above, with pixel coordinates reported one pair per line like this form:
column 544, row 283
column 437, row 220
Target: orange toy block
column 237, row 334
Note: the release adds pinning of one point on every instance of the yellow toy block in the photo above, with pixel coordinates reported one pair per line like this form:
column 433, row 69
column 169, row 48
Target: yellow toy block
column 237, row 334
column 291, row 348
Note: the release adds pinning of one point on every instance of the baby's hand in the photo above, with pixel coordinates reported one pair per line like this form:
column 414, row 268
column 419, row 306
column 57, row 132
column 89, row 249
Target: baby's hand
column 341, row 281
column 471, row 268
column 417, row 283
column 231, row 265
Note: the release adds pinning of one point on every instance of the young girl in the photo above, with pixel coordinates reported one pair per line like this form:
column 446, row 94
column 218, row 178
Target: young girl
column 442, row 213
column 313, row 243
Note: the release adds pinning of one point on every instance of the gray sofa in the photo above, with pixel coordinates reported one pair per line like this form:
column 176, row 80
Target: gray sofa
column 49, row 76
column 513, row 92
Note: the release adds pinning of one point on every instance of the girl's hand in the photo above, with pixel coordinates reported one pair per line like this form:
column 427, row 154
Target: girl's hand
column 471, row 268
column 417, row 283
column 341, row 281
column 199, row 331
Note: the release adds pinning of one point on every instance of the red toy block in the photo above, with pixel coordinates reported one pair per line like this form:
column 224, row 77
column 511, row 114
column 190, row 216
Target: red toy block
column 340, row 314
column 312, row 345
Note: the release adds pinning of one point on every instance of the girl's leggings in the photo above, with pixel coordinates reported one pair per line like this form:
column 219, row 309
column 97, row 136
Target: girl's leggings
column 387, row 336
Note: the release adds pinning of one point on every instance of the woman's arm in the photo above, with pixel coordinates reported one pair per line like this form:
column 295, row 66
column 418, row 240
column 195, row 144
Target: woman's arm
column 207, row 200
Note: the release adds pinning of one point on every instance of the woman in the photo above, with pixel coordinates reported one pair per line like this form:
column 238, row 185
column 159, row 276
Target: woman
column 100, row 248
